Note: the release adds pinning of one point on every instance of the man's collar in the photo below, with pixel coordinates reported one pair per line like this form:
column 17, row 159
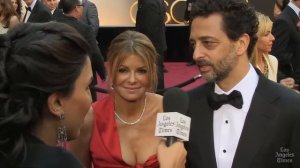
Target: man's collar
column 294, row 7
column 33, row 4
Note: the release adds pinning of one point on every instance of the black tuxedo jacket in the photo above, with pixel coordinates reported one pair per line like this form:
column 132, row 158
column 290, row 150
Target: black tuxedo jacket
column 287, row 43
column 40, row 13
column 270, row 136
column 150, row 21
column 57, row 13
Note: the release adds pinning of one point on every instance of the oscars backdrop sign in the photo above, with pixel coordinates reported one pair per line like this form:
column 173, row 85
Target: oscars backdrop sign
column 121, row 13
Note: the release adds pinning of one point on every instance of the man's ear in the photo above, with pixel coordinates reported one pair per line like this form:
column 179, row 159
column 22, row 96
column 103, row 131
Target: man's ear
column 242, row 44
column 55, row 104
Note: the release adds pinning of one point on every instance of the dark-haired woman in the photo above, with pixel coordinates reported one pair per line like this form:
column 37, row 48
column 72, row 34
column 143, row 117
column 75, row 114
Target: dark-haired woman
column 8, row 16
column 17, row 4
column 45, row 74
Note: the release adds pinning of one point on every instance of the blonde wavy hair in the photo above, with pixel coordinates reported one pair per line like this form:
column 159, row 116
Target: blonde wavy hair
column 264, row 25
column 132, row 43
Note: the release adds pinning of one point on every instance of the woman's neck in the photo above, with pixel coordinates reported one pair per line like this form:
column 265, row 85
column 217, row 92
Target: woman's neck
column 46, row 131
column 260, row 57
column 129, row 108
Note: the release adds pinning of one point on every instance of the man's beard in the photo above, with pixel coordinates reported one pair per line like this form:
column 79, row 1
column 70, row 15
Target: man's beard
column 220, row 69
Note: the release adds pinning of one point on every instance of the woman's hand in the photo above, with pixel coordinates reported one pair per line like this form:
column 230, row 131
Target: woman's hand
column 288, row 82
column 173, row 156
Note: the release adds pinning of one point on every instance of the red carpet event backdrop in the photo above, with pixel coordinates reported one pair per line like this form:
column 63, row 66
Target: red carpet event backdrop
column 121, row 13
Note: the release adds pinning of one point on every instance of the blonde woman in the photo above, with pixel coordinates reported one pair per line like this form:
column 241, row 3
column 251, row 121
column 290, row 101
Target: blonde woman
column 266, row 63
column 119, row 130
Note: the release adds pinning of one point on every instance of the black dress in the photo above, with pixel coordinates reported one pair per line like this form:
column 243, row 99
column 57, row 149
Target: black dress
column 40, row 155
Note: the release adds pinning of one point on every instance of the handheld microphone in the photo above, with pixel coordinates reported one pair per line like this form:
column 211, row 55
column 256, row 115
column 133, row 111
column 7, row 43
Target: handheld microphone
column 173, row 124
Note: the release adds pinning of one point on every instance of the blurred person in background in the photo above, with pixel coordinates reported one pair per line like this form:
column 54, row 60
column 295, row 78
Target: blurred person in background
column 72, row 11
column 36, row 12
column 279, row 6
column 8, row 16
column 187, row 13
column 51, row 5
column 266, row 63
column 150, row 20
column 18, row 6
column 261, row 58
column 286, row 47
column 90, row 15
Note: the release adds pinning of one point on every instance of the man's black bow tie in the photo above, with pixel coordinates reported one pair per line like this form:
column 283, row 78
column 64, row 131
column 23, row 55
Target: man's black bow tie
column 28, row 8
column 215, row 101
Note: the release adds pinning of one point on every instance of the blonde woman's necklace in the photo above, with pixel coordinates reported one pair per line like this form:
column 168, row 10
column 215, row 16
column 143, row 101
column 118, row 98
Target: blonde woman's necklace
column 136, row 121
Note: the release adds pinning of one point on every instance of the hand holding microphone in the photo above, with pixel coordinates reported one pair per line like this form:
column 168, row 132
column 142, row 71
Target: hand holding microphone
column 173, row 124
column 171, row 157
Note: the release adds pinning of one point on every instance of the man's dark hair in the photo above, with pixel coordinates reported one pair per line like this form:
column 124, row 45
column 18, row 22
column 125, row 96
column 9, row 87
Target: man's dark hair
column 68, row 5
column 238, row 18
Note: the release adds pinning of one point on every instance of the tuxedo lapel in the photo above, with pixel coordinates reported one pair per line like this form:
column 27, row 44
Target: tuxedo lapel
column 291, row 13
column 33, row 13
column 208, row 151
column 257, row 124
column 35, row 8
column 202, row 140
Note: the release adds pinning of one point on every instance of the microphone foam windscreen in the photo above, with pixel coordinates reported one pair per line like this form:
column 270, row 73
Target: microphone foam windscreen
column 175, row 100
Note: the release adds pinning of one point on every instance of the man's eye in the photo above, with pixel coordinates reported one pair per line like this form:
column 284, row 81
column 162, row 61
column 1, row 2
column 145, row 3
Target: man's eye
column 209, row 44
column 192, row 45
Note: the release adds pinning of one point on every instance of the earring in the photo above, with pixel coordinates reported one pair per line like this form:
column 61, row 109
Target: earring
column 62, row 133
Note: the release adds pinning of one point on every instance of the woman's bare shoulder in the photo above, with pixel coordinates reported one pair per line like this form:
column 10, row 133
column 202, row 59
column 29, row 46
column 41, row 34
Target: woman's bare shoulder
column 14, row 20
column 154, row 97
column 155, row 101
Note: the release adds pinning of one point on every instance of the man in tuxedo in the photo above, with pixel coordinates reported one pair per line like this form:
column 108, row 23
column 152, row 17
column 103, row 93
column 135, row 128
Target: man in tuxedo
column 51, row 5
column 72, row 11
column 150, row 20
column 90, row 15
column 36, row 12
column 240, row 119
column 286, row 46
column 187, row 13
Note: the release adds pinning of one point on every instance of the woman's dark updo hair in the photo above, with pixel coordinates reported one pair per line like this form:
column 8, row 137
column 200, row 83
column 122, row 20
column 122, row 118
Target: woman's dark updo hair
column 35, row 61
